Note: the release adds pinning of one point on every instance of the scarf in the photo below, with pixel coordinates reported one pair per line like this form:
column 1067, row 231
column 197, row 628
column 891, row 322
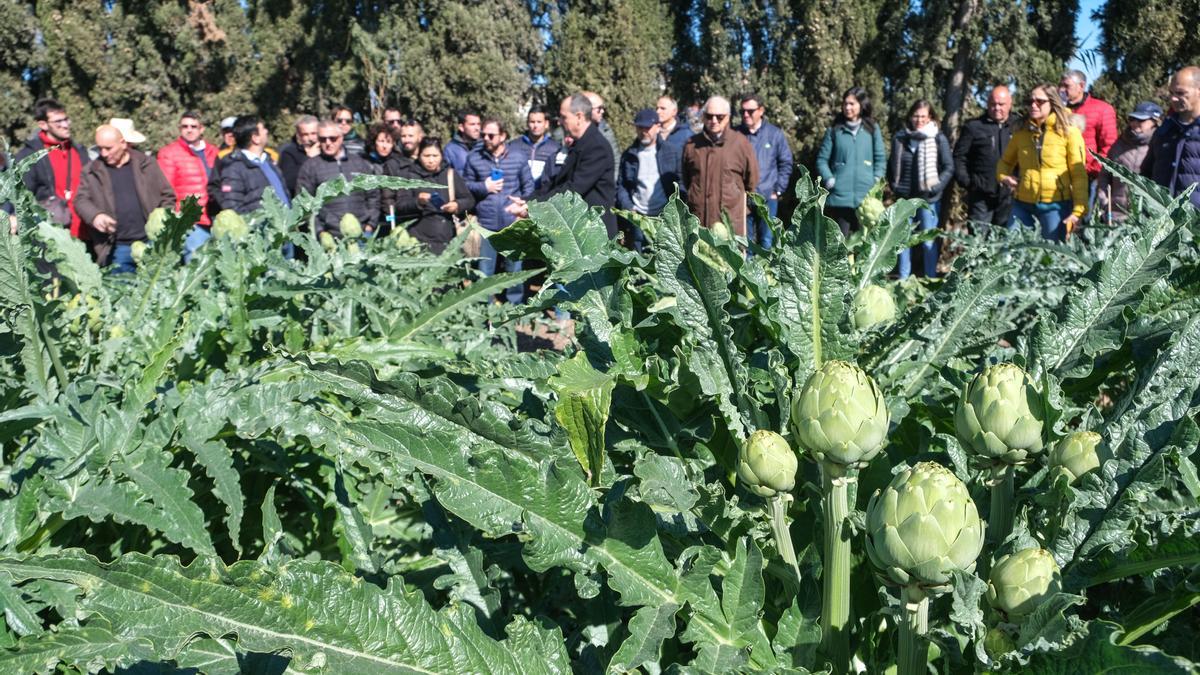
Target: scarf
column 854, row 126
column 67, row 166
column 927, row 157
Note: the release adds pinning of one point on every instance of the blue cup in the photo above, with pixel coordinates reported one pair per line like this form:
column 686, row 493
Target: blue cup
column 497, row 174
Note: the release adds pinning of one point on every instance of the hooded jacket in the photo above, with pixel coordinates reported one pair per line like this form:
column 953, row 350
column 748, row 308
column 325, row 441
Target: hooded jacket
column 433, row 227
column 1049, row 163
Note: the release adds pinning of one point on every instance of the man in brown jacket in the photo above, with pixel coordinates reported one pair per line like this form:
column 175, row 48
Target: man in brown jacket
column 116, row 197
column 719, row 168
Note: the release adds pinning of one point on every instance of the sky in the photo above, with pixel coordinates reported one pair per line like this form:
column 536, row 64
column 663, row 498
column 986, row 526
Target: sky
column 1087, row 34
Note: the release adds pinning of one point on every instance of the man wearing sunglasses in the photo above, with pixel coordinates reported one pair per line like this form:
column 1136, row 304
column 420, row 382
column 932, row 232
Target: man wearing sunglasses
column 719, row 169
column 335, row 161
column 774, row 162
column 188, row 162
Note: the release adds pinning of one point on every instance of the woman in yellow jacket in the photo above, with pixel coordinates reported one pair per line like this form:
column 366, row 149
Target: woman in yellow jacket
column 1046, row 164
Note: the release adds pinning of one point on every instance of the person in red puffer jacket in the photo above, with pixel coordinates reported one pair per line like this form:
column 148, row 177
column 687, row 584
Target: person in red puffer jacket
column 54, row 179
column 187, row 162
column 1101, row 130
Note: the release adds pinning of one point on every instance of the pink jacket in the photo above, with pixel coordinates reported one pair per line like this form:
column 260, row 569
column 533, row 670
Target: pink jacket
column 186, row 173
column 1101, row 131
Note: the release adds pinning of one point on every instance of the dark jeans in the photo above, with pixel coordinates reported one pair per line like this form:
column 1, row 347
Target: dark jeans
column 488, row 256
column 1049, row 216
column 122, row 260
column 759, row 231
column 985, row 210
column 845, row 217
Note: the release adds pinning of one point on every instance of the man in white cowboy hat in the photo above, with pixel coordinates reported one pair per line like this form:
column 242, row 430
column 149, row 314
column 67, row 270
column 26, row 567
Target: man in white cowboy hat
column 116, row 196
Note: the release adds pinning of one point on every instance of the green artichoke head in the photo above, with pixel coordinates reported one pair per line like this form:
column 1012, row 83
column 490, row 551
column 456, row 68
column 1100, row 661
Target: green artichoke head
column 841, row 416
column 327, row 240
column 870, row 211
column 137, row 251
column 1020, row 582
column 872, row 306
column 922, row 527
column 999, row 416
column 1076, row 454
column 229, row 223
column 766, row 464
column 155, row 222
column 350, row 227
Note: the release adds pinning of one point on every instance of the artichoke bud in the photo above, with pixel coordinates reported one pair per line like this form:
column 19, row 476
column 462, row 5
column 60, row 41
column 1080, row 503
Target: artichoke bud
column 1076, row 454
column 766, row 464
column 155, row 223
column 997, row 643
column 870, row 211
column 841, row 416
column 1022, row 581
column 999, row 416
column 872, row 306
column 720, row 230
column 350, row 226
column 327, row 240
column 137, row 251
column 922, row 527
column 229, row 223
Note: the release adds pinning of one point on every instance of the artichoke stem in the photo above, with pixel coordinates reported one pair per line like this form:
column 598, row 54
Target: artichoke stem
column 835, row 601
column 1000, row 518
column 783, row 536
column 913, row 656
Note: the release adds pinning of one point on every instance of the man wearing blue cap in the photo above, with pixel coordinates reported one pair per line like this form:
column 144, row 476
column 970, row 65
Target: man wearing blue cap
column 646, row 176
column 1129, row 151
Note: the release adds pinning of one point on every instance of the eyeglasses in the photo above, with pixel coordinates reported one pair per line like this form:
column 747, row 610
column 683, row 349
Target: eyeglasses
column 60, row 121
column 1037, row 101
column 750, row 111
column 496, row 135
column 344, row 120
column 711, row 116
column 394, row 122
column 328, row 139
column 601, row 108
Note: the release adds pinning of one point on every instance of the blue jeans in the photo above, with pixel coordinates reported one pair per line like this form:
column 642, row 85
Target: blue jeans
column 926, row 219
column 1047, row 214
column 122, row 260
column 194, row 241
column 515, row 295
column 758, row 231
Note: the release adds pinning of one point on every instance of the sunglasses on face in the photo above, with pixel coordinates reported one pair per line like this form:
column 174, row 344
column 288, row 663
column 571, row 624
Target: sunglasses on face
column 1037, row 101
column 490, row 136
column 719, row 118
column 749, row 111
column 343, row 120
column 327, row 139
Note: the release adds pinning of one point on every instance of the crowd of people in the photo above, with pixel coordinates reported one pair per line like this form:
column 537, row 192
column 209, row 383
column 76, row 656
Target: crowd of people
column 1037, row 169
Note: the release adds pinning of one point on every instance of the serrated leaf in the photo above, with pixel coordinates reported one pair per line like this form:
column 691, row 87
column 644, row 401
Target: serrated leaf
column 323, row 616
column 584, row 401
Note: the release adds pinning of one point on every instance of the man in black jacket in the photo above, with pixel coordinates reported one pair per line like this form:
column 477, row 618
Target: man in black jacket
column 980, row 144
column 648, row 175
column 586, row 168
column 248, row 171
column 302, row 146
column 334, row 161
column 54, row 179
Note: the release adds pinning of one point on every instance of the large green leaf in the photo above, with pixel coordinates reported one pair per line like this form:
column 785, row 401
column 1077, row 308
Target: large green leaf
column 324, row 617
column 584, row 400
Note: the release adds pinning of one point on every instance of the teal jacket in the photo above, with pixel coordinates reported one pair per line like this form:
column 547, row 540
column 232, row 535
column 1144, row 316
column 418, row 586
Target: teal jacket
column 849, row 164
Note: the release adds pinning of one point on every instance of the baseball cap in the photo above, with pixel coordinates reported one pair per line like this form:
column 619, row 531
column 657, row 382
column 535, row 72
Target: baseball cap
column 1146, row 111
column 645, row 118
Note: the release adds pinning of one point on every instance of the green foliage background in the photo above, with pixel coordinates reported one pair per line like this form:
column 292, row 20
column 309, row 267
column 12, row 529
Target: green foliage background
column 152, row 59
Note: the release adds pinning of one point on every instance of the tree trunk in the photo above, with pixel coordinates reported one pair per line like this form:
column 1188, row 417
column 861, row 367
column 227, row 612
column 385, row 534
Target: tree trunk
column 956, row 87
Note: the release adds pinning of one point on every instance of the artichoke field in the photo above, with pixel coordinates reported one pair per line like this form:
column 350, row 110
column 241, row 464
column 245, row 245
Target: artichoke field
column 352, row 461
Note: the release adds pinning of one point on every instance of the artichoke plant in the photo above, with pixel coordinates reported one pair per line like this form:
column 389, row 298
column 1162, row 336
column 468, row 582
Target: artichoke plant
column 766, row 464
column 350, row 227
column 872, row 306
column 1076, row 454
column 1022, row 581
column 1000, row 420
column 841, row 416
column 229, row 223
column 921, row 529
column 137, row 251
column 155, row 223
column 999, row 416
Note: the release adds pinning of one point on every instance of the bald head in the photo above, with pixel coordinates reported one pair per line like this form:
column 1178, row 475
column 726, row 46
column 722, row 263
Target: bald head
column 1185, row 94
column 112, row 146
column 716, row 116
column 999, row 104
